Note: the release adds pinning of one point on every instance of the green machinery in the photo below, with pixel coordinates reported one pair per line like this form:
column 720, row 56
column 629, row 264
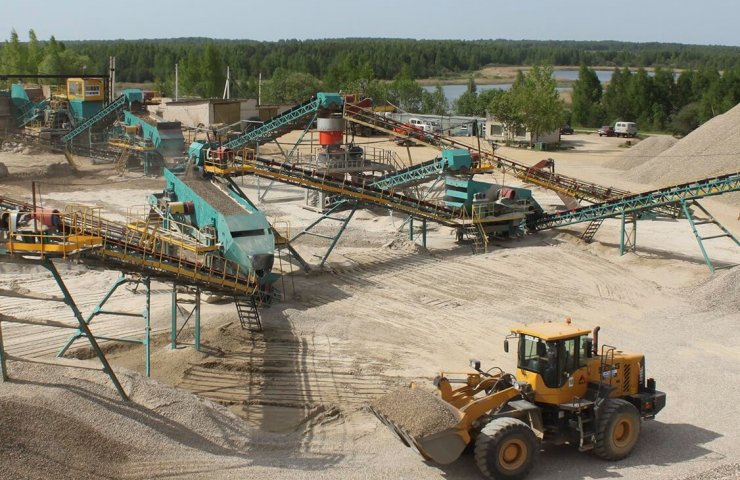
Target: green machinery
column 220, row 216
column 165, row 137
column 510, row 207
column 140, row 248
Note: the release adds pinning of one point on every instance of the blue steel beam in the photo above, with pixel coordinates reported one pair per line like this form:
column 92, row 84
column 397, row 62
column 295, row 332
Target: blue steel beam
column 642, row 201
column 273, row 128
column 409, row 176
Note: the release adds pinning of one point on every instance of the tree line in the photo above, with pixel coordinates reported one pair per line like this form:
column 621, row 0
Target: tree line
column 387, row 69
column 153, row 60
column 665, row 101
column 661, row 101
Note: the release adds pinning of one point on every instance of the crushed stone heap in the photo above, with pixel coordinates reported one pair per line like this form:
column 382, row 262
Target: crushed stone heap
column 419, row 412
column 643, row 152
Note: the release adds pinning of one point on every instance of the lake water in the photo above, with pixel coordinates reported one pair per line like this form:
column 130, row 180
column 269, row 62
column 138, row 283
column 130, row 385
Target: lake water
column 453, row 92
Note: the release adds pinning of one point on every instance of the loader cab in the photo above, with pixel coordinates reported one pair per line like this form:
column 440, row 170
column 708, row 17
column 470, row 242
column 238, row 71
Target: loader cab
column 553, row 358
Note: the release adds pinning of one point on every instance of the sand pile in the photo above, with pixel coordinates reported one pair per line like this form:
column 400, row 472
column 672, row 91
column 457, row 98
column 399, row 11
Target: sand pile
column 419, row 412
column 723, row 472
column 644, row 151
column 711, row 150
column 721, row 291
column 73, row 425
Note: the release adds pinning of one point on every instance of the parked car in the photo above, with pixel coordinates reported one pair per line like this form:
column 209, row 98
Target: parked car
column 461, row 131
column 625, row 129
column 566, row 130
column 607, row 130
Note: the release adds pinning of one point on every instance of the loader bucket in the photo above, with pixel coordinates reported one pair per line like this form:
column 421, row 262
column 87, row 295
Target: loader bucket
column 425, row 422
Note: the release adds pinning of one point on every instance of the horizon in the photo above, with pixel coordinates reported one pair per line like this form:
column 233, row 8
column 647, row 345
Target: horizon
column 709, row 23
column 23, row 37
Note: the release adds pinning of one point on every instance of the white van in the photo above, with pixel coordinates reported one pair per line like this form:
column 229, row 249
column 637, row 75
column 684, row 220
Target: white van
column 625, row 129
column 424, row 125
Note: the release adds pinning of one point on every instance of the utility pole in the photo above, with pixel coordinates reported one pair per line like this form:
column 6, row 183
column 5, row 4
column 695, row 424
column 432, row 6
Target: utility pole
column 227, row 90
column 177, row 83
column 112, row 75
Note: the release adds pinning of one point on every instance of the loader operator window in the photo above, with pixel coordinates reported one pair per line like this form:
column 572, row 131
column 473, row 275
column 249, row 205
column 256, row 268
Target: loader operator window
column 553, row 360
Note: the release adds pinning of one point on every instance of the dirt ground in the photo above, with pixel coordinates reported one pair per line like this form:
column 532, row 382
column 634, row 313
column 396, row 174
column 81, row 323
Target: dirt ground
column 290, row 402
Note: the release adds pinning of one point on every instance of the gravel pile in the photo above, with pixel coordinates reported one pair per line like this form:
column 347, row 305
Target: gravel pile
column 644, row 151
column 712, row 149
column 16, row 147
column 723, row 472
column 418, row 412
column 72, row 425
column 720, row 292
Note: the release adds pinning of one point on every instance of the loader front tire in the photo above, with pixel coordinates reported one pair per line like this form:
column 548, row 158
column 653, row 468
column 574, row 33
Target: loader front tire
column 617, row 430
column 506, row 448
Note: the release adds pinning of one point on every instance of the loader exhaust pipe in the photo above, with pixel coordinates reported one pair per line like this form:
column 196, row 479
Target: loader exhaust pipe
column 596, row 340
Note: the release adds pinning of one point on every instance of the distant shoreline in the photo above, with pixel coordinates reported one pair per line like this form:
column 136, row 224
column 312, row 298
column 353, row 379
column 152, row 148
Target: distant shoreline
column 507, row 74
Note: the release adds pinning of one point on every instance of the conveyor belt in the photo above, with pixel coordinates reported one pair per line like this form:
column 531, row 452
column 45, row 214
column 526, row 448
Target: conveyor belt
column 570, row 186
column 669, row 196
column 135, row 251
column 364, row 192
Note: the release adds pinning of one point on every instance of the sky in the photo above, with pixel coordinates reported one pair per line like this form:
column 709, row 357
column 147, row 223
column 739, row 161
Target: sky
column 704, row 22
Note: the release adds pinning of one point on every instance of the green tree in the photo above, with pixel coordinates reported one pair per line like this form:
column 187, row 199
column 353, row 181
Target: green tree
column 405, row 93
column 539, row 102
column 213, row 72
column 467, row 103
column 686, row 120
column 435, row 103
column 287, row 87
column 14, row 55
column 35, row 53
column 504, row 109
column 616, row 96
column 587, row 93
column 58, row 60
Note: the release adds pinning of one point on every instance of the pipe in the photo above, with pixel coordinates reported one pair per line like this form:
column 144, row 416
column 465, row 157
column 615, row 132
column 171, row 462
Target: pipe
column 596, row 340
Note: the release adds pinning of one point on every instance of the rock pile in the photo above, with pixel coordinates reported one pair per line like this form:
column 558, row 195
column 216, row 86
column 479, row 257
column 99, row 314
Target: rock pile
column 417, row 411
column 711, row 150
column 643, row 152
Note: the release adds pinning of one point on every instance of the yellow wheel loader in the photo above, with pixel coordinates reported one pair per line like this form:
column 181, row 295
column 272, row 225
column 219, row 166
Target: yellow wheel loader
column 565, row 390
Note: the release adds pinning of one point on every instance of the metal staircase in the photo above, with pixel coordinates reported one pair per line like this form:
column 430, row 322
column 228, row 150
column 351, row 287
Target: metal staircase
column 475, row 232
column 31, row 112
column 86, row 125
column 588, row 235
column 276, row 127
column 122, row 159
column 249, row 316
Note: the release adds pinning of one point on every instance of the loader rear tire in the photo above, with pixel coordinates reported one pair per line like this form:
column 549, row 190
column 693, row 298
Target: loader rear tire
column 506, row 448
column 617, row 430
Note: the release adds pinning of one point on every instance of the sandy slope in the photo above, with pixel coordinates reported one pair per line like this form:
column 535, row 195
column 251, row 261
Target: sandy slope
column 378, row 317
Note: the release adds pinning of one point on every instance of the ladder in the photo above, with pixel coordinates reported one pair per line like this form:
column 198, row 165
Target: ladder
column 249, row 316
column 472, row 232
column 607, row 373
column 591, row 229
column 31, row 112
column 122, row 160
